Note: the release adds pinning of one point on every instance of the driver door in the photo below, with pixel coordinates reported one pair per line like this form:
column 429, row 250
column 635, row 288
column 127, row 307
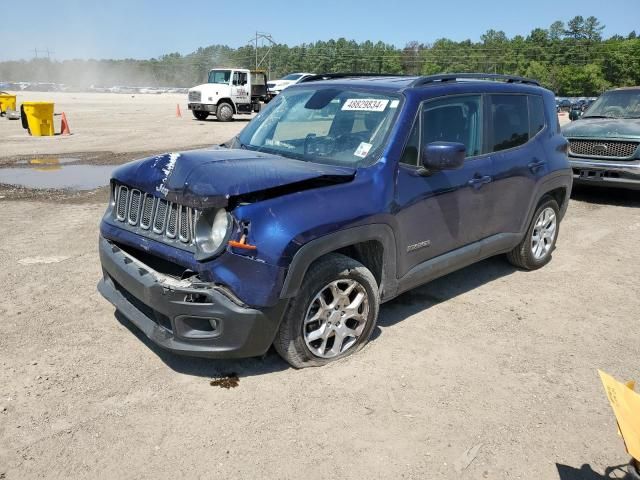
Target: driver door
column 239, row 88
column 443, row 210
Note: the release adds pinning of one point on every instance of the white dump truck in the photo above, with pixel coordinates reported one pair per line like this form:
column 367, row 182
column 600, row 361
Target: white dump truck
column 228, row 92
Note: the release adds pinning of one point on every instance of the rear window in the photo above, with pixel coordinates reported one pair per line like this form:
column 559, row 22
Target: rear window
column 536, row 115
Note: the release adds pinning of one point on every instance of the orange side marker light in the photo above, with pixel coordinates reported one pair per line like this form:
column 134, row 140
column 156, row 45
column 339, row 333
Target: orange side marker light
column 241, row 245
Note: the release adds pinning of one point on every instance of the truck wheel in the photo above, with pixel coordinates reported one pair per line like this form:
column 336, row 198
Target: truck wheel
column 200, row 115
column 534, row 251
column 333, row 314
column 224, row 112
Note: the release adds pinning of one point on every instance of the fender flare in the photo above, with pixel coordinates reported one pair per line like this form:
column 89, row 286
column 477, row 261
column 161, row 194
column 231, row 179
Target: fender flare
column 558, row 179
column 314, row 249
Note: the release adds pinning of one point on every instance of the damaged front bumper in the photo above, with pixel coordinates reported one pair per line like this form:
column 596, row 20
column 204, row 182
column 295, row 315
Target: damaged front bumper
column 185, row 316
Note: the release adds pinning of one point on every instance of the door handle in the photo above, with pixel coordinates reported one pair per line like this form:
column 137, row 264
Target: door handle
column 477, row 182
column 536, row 165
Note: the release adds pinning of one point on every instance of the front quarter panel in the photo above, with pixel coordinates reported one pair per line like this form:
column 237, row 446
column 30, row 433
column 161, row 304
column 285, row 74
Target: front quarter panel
column 278, row 227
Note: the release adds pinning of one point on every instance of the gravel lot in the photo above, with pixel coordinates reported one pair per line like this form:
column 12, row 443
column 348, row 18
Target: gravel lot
column 487, row 373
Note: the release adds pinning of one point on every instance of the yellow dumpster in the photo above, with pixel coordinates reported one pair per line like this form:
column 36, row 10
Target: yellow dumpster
column 39, row 118
column 7, row 102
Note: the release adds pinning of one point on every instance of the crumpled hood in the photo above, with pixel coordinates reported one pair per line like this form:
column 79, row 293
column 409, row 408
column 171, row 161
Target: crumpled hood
column 212, row 177
column 603, row 128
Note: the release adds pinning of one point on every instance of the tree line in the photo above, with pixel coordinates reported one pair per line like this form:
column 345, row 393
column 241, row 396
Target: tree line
column 572, row 59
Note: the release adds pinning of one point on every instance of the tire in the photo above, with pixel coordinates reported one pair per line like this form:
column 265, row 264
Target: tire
column 531, row 254
column 200, row 115
column 224, row 112
column 351, row 327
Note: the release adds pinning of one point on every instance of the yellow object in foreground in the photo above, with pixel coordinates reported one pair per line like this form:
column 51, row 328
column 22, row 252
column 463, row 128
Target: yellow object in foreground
column 7, row 102
column 40, row 117
column 626, row 406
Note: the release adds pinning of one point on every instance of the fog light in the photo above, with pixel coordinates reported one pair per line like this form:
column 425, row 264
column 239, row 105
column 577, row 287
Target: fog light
column 198, row 327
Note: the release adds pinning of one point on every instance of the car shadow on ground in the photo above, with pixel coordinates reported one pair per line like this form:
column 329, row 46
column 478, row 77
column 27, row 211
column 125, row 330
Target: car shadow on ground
column 441, row 290
column 587, row 473
column 207, row 367
column 215, row 120
column 617, row 197
column 404, row 306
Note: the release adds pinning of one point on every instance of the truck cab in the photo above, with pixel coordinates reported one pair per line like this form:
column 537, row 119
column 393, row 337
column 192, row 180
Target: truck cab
column 228, row 92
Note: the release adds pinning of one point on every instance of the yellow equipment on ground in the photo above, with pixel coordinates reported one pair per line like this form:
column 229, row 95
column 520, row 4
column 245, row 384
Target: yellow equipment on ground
column 626, row 406
column 7, row 102
column 39, row 118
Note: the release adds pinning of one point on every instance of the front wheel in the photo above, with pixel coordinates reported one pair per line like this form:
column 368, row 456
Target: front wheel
column 200, row 115
column 333, row 314
column 224, row 112
column 534, row 251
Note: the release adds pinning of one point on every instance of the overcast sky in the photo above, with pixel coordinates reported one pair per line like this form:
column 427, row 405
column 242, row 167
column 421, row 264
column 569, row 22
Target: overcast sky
column 145, row 28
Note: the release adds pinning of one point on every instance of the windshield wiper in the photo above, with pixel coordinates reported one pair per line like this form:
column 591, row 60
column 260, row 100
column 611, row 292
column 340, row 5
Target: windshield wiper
column 597, row 116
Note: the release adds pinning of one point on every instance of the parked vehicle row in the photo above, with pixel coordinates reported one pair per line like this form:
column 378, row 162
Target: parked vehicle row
column 343, row 193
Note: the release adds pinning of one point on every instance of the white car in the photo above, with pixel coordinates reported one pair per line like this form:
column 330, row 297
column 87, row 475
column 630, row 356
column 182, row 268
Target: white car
column 274, row 87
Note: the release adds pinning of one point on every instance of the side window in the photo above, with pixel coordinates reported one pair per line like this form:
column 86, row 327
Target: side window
column 509, row 121
column 454, row 119
column 239, row 78
column 536, row 115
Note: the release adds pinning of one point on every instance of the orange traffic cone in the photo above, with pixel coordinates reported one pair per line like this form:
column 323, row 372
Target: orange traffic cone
column 178, row 114
column 64, row 130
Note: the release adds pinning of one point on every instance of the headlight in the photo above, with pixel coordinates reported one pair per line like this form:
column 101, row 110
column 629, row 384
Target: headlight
column 213, row 230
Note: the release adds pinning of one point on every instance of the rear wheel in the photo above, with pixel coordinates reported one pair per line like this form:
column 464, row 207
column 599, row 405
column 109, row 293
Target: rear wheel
column 224, row 112
column 535, row 249
column 200, row 115
column 332, row 316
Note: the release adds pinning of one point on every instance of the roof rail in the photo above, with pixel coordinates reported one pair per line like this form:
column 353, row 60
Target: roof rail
column 335, row 76
column 453, row 77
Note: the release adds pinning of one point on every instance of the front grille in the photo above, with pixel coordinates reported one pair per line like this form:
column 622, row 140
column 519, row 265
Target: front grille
column 157, row 215
column 195, row 96
column 608, row 148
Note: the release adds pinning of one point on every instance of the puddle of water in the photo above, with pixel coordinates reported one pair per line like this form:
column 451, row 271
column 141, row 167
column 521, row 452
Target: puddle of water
column 46, row 162
column 74, row 177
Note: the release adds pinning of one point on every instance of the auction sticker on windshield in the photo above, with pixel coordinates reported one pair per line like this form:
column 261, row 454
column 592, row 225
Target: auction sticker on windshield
column 363, row 150
column 365, row 104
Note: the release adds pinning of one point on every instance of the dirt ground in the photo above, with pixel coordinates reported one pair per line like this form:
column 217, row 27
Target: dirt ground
column 489, row 372
column 119, row 123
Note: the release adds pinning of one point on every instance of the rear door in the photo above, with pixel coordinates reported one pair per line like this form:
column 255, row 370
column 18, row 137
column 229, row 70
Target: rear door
column 515, row 126
column 444, row 210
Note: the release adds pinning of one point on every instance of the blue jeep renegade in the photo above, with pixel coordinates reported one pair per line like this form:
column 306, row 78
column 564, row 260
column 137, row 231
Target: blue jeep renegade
column 344, row 192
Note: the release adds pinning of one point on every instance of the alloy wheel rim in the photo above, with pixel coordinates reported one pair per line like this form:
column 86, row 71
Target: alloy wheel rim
column 544, row 233
column 336, row 318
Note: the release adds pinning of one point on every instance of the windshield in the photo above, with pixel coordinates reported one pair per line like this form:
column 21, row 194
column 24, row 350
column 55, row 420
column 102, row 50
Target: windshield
column 616, row 104
column 324, row 125
column 292, row 76
column 220, row 76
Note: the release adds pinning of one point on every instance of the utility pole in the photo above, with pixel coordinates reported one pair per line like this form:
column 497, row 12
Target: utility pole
column 263, row 36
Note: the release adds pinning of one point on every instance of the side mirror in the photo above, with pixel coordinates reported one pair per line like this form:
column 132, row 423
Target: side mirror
column 443, row 156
